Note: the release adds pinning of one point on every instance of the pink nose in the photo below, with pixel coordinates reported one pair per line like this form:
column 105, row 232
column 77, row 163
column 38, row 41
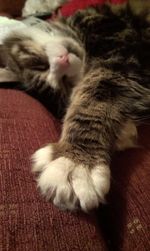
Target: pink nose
column 64, row 60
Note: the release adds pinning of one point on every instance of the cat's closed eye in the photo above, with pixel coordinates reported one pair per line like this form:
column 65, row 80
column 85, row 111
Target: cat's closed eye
column 72, row 49
column 38, row 64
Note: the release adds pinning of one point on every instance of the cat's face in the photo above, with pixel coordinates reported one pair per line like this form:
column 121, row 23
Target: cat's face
column 53, row 63
column 66, row 61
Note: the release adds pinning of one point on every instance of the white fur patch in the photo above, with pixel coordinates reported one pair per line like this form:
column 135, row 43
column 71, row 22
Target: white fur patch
column 39, row 6
column 68, row 184
column 41, row 158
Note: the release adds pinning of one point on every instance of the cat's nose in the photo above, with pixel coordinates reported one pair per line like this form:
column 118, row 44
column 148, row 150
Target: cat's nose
column 64, row 60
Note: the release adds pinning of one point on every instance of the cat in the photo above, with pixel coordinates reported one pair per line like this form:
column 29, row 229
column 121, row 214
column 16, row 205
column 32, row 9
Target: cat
column 105, row 106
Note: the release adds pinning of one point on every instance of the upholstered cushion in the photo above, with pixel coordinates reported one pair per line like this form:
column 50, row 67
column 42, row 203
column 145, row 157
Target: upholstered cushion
column 27, row 221
column 125, row 220
column 9, row 7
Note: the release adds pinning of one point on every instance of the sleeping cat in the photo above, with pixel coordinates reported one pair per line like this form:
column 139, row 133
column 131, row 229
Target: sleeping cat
column 106, row 102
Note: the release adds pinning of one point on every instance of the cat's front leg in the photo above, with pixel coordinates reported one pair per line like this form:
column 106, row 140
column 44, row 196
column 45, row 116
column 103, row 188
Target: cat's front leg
column 75, row 172
column 66, row 178
column 72, row 177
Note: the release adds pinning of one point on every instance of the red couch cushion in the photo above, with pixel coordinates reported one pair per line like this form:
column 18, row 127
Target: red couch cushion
column 125, row 219
column 27, row 221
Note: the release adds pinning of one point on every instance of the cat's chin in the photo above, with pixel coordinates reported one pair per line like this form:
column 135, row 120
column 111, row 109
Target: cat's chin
column 53, row 82
column 65, row 83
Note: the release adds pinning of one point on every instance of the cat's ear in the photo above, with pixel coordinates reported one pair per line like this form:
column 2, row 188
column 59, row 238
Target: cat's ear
column 25, row 52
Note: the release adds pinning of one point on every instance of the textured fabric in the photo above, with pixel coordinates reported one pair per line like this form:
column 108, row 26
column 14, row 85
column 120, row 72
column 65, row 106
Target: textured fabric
column 27, row 221
column 125, row 220
column 10, row 7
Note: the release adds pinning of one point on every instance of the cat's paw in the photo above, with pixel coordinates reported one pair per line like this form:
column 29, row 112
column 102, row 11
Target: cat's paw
column 70, row 185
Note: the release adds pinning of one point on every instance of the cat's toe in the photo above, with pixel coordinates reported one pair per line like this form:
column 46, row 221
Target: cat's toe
column 91, row 185
column 54, row 183
column 41, row 158
column 100, row 176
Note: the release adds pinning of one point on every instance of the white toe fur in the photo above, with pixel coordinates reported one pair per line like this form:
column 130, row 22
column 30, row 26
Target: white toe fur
column 91, row 186
column 68, row 184
column 84, row 189
column 54, row 183
column 101, row 180
column 41, row 158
